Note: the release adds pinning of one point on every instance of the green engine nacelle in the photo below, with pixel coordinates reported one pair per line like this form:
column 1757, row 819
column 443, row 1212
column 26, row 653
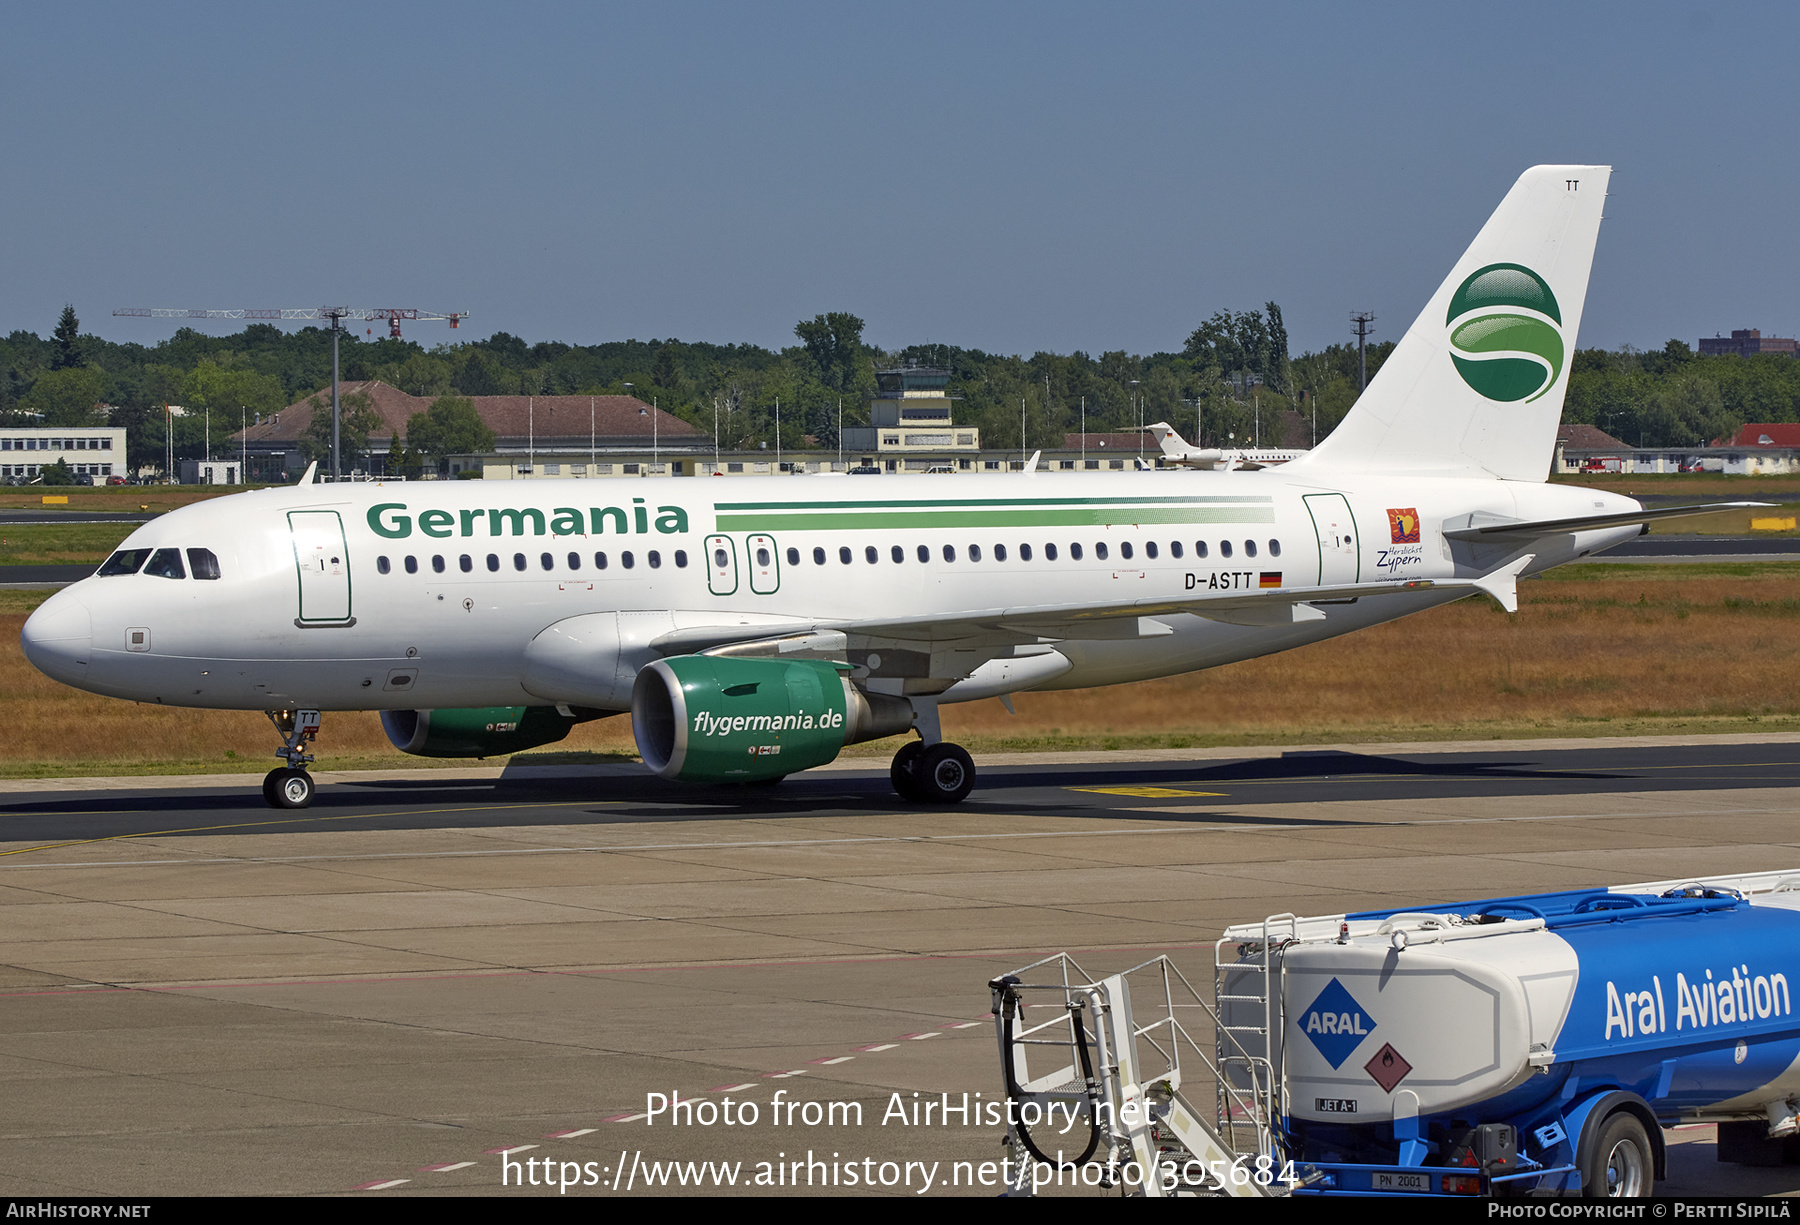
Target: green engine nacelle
column 716, row 718
column 486, row 731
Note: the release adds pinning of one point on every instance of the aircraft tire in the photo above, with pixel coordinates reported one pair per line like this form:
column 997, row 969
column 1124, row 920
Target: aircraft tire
column 269, row 781
column 904, row 773
column 945, row 775
column 290, row 788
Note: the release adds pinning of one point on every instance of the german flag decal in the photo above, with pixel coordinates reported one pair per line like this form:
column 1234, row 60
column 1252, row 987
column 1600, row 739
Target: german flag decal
column 1270, row 578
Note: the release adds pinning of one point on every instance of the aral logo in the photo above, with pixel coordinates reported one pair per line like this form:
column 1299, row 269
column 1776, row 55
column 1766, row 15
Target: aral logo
column 1506, row 333
column 1336, row 1023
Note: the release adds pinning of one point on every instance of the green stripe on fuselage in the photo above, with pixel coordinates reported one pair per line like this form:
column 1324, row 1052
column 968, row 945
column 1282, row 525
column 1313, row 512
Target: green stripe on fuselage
column 930, row 503
column 890, row 519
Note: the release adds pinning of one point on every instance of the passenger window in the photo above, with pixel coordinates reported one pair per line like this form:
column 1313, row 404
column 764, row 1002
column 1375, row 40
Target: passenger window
column 600, row 561
column 899, row 554
column 166, row 563
column 1100, row 550
column 518, row 561
column 924, row 553
column 1149, row 549
column 949, row 552
column 974, row 552
column 1249, row 548
column 999, row 552
column 203, row 563
column 1049, row 553
column 721, row 558
column 493, row 561
column 869, row 554
column 654, row 558
column 466, row 562
column 546, row 561
column 1124, row 550
column 844, row 555
column 382, row 565
column 762, row 557
column 1274, row 548
column 574, row 561
column 818, row 557
column 1199, row 548
column 681, row 559
column 1224, row 548
column 437, row 563
column 1174, row 549
column 412, row 564
column 126, row 561
column 627, row 560
column 793, row 556
column 1075, row 552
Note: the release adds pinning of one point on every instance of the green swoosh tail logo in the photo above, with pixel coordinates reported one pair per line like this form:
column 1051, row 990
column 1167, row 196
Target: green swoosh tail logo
column 1501, row 353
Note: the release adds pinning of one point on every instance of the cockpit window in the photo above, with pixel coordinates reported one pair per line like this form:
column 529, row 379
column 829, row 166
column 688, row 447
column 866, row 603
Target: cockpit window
column 203, row 563
column 125, row 561
column 166, row 563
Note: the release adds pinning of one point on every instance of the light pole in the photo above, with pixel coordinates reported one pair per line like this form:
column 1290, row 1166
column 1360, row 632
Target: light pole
column 628, row 392
column 1138, row 412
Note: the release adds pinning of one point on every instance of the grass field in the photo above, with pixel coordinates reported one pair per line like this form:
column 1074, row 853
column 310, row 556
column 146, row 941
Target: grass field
column 1593, row 650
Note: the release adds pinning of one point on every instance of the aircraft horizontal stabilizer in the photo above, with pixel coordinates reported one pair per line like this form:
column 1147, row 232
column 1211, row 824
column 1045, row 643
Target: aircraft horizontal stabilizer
column 1484, row 527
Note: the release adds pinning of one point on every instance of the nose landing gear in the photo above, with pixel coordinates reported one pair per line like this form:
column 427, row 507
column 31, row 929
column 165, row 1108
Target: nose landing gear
column 290, row 786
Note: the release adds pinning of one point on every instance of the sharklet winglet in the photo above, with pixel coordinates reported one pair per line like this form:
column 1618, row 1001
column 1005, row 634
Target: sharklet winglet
column 1503, row 584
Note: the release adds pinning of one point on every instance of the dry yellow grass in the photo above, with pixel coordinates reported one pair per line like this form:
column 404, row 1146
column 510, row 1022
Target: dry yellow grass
column 1696, row 651
column 1637, row 652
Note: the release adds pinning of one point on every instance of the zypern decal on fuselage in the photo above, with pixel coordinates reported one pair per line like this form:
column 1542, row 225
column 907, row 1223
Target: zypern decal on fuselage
column 391, row 520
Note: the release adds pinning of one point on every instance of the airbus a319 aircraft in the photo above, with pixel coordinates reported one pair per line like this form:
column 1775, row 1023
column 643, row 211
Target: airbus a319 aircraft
column 753, row 628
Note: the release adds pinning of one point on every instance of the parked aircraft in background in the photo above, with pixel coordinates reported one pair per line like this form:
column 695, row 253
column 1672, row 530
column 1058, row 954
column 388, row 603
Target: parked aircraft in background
column 1216, row 459
column 754, row 628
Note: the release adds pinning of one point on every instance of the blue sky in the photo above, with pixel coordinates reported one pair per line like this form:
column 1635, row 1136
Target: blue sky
column 1011, row 177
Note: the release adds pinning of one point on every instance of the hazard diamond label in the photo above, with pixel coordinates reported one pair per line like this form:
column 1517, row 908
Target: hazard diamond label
column 1387, row 1068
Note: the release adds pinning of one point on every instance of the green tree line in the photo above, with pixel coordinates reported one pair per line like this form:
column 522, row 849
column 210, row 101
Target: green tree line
column 1234, row 371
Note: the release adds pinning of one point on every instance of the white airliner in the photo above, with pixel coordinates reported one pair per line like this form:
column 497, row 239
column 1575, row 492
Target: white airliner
column 753, row 628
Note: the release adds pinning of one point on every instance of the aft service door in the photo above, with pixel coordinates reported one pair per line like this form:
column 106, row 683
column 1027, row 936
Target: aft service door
column 324, row 566
column 721, row 565
column 1338, row 552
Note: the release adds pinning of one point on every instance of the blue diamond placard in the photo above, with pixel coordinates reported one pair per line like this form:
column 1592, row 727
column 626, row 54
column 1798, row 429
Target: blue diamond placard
column 1336, row 1023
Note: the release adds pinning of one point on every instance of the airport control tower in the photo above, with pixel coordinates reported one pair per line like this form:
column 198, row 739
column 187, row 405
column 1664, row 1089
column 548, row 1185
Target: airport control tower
column 910, row 427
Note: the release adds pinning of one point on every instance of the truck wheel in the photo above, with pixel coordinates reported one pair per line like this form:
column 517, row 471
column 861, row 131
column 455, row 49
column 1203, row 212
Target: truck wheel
column 1621, row 1167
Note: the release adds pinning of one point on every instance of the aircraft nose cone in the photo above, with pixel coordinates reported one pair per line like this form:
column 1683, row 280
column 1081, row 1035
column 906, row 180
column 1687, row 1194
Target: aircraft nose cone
column 57, row 636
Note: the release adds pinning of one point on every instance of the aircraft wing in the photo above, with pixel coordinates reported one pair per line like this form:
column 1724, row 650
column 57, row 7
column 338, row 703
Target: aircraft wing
column 1112, row 619
column 1484, row 527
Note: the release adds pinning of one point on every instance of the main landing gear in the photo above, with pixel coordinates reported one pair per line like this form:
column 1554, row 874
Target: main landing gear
column 290, row 786
column 940, row 773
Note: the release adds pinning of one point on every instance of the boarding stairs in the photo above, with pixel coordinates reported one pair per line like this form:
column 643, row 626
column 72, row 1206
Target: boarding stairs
column 1145, row 1071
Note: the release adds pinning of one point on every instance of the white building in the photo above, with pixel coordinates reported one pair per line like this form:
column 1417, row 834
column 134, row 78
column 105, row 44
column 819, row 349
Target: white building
column 90, row 451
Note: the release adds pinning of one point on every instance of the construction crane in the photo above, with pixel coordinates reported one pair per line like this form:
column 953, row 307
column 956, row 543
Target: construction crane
column 391, row 313
column 337, row 315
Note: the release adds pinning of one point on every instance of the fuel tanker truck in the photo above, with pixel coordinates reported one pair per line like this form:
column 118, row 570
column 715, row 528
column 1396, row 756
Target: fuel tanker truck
column 1520, row 1045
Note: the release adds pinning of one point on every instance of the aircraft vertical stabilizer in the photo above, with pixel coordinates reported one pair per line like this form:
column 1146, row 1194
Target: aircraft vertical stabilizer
column 1475, row 387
